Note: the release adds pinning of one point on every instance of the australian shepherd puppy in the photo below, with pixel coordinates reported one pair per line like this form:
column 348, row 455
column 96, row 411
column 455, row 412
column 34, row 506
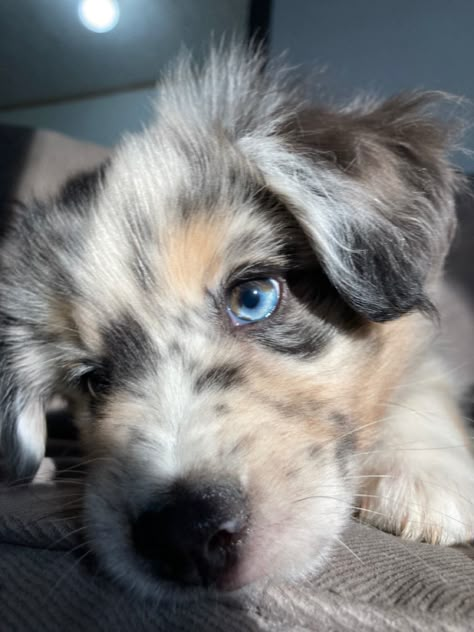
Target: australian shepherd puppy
column 243, row 307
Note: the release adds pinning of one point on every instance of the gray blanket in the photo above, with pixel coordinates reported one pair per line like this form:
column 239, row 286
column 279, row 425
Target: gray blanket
column 50, row 582
column 377, row 583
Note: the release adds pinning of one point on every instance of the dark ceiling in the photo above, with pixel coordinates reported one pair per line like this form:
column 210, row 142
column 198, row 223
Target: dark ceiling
column 48, row 56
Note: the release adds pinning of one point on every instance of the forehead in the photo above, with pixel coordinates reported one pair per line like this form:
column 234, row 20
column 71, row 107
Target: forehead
column 159, row 241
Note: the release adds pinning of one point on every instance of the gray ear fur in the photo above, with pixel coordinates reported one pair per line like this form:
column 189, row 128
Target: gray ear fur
column 374, row 191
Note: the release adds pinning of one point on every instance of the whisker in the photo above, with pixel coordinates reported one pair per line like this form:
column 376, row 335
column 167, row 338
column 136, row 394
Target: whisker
column 68, row 571
column 36, row 486
column 416, row 507
column 357, row 476
column 424, row 416
column 51, row 518
column 348, row 548
column 358, row 508
column 349, row 504
column 87, row 462
column 67, row 535
column 456, row 370
column 354, row 430
column 75, row 503
column 412, row 553
column 425, row 481
column 400, row 448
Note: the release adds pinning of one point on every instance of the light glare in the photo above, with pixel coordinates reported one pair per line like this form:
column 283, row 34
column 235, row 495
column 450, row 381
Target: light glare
column 99, row 16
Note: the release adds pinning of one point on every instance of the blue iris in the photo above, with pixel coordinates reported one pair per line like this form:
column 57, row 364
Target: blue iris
column 254, row 300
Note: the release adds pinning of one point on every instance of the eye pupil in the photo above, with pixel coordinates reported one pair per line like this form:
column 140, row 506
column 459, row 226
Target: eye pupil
column 250, row 298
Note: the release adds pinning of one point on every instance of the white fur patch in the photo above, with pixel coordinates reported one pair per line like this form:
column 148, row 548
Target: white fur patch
column 31, row 430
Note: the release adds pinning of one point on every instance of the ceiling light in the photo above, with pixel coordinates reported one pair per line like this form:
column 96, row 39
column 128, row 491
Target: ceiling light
column 99, row 16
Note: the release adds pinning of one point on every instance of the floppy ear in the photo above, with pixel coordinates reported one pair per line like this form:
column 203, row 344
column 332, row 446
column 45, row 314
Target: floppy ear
column 373, row 189
column 22, row 419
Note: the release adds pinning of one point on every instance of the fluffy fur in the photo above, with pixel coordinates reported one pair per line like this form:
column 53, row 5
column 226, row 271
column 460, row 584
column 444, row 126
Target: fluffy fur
column 115, row 294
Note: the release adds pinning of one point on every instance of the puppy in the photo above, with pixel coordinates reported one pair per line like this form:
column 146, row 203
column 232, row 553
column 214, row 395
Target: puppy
column 242, row 305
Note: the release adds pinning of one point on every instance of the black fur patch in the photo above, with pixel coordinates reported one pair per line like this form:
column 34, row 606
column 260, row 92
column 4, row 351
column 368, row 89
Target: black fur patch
column 390, row 294
column 220, row 377
column 127, row 350
column 292, row 337
column 80, row 190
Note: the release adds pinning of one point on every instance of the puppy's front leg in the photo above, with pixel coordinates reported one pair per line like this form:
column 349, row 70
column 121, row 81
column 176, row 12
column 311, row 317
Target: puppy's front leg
column 418, row 481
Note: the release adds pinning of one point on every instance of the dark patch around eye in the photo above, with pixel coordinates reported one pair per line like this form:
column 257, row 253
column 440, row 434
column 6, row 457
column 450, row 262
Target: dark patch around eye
column 221, row 377
column 292, row 337
column 127, row 350
column 311, row 311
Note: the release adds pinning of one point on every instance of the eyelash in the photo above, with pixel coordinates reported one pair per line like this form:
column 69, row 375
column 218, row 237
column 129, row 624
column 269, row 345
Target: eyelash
column 91, row 381
column 252, row 272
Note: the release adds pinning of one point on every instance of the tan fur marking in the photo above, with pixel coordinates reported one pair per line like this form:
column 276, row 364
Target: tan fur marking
column 193, row 257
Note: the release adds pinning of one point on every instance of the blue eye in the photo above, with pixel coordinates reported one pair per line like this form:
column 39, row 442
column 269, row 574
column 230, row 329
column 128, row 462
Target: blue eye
column 252, row 301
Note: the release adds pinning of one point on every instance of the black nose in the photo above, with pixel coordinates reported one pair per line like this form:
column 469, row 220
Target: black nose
column 192, row 535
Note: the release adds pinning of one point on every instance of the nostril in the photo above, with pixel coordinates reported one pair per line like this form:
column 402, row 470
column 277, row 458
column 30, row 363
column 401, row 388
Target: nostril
column 222, row 546
column 192, row 538
column 228, row 536
column 220, row 540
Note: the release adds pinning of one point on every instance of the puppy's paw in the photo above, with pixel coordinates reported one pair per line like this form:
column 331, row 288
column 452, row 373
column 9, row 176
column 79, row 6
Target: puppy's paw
column 428, row 500
column 45, row 473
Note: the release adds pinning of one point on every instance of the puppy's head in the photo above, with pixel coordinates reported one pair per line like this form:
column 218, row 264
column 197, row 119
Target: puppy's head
column 229, row 302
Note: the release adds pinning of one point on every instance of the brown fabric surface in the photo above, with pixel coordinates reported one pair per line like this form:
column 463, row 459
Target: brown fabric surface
column 48, row 583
